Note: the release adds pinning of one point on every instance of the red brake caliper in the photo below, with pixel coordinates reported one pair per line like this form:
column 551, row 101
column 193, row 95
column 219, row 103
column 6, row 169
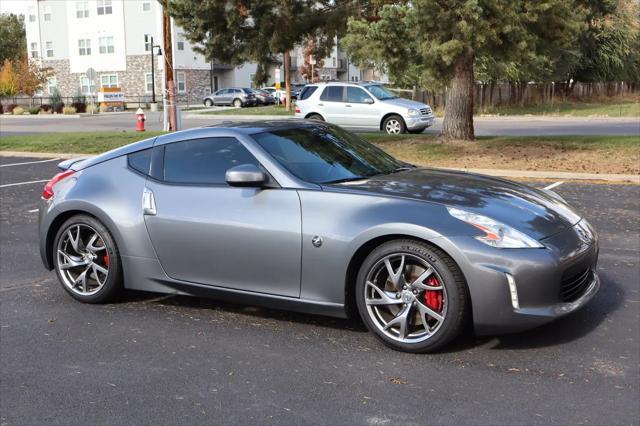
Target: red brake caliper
column 433, row 298
column 106, row 260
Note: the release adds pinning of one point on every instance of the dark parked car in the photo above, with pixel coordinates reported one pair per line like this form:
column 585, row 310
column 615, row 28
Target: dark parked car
column 236, row 96
column 305, row 216
column 263, row 97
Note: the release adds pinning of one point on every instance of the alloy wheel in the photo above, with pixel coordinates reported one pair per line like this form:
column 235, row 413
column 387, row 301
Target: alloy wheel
column 405, row 298
column 393, row 126
column 83, row 260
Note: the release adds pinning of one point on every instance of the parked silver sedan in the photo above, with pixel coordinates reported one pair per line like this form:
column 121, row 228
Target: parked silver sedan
column 308, row 217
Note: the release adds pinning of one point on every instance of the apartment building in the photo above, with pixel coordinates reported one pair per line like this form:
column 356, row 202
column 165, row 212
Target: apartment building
column 112, row 37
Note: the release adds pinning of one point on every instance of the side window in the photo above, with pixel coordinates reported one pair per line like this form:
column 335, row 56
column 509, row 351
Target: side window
column 307, row 91
column 204, row 161
column 140, row 161
column 222, row 92
column 357, row 95
column 332, row 94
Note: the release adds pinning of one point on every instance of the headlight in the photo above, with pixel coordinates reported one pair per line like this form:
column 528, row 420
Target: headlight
column 496, row 234
column 414, row 112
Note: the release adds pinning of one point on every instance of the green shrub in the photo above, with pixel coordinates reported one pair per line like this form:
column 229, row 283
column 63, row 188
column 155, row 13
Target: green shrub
column 34, row 110
column 55, row 99
column 18, row 110
column 68, row 110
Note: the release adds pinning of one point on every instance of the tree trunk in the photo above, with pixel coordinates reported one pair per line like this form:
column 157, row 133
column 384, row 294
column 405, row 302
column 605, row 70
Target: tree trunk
column 287, row 79
column 458, row 112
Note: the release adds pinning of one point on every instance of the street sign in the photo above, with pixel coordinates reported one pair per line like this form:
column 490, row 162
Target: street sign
column 312, row 60
column 278, row 78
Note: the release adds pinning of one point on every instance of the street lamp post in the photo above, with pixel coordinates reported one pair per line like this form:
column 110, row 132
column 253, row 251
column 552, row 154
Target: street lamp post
column 149, row 39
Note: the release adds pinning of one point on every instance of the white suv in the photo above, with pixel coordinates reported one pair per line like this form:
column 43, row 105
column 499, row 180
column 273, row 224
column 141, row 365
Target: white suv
column 364, row 105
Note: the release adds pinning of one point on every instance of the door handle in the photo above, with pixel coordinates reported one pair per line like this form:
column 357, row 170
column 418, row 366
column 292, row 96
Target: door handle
column 320, row 104
column 348, row 106
column 148, row 203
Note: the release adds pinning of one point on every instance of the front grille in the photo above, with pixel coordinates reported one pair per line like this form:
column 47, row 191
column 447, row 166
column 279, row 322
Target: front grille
column 425, row 111
column 574, row 285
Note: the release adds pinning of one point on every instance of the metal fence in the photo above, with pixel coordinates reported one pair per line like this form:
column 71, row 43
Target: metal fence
column 183, row 99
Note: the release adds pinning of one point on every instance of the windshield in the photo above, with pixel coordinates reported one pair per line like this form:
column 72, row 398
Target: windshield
column 323, row 154
column 380, row 92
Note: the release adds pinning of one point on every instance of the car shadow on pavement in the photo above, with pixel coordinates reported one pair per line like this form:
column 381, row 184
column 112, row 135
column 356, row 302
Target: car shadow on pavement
column 609, row 298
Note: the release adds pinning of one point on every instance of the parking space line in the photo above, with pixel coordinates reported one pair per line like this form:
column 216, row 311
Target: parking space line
column 29, row 162
column 554, row 185
column 6, row 185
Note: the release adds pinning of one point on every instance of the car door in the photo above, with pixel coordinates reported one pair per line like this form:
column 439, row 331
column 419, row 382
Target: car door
column 219, row 97
column 331, row 105
column 361, row 109
column 205, row 231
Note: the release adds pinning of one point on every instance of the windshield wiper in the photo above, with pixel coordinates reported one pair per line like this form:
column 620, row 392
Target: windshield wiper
column 349, row 179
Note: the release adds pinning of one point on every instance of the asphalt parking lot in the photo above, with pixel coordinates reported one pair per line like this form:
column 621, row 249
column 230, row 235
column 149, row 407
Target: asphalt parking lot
column 175, row 360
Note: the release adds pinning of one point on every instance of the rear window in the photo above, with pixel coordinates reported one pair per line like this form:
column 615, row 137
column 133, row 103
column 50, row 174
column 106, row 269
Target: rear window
column 248, row 91
column 307, row 91
column 140, row 161
column 332, row 94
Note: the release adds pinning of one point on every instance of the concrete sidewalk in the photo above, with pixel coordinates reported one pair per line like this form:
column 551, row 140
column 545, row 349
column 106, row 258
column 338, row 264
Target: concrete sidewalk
column 565, row 176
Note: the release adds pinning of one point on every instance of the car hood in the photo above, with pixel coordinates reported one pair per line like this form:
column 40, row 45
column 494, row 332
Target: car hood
column 537, row 213
column 405, row 103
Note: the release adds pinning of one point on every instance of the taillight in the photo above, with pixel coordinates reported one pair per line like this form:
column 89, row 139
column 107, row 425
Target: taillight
column 298, row 110
column 47, row 192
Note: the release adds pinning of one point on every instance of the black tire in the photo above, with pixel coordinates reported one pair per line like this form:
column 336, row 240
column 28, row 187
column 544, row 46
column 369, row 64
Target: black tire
column 208, row 102
column 113, row 285
column 237, row 103
column 452, row 281
column 394, row 122
column 316, row 117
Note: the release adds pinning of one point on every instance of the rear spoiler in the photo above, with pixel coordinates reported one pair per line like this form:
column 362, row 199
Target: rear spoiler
column 67, row 164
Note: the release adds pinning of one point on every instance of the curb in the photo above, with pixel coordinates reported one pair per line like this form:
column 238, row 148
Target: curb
column 40, row 116
column 634, row 179
column 237, row 117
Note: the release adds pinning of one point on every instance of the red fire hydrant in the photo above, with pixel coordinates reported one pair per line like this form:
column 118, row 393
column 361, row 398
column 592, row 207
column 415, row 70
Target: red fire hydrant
column 141, row 119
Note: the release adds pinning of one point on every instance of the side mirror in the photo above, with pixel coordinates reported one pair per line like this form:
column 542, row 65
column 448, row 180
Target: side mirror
column 368, row 101
column 246, row 175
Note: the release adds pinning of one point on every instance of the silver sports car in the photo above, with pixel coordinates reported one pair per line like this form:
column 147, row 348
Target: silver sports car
column 306, row 216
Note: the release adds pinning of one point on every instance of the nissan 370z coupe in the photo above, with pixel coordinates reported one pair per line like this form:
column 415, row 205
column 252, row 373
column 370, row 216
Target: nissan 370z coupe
column 304, row 216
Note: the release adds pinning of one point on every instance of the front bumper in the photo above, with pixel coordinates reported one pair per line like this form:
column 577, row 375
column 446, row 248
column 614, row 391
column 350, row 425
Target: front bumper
column 536, row 276
column 420, row 121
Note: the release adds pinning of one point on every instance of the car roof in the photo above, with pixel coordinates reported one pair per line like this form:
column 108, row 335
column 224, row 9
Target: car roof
column 230, row 128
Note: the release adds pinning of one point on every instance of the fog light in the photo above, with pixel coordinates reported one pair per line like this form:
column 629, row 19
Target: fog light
column 513, row 291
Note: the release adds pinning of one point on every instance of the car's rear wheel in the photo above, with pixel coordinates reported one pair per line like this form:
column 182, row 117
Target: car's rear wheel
column 208, row 102
column 237, row 103
column 394, row 125
column 316, row 117
column 87, row 261
column 411, row 295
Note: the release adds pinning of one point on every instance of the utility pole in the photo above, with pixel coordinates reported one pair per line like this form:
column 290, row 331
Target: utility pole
column 168, row 67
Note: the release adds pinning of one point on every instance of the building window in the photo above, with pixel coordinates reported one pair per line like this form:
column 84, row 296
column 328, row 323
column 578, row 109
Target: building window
column 147, row 42
column 148, row 87
column 34, row 50
column 82, row 9
column 105, row 45
column 32, row 14
column 109, row 80
column 180, row 42
column 104, row 7
column 46, row 13
column 87, row 87
column 52, row 84
column 181, row 80
column 146, row 6
column 84, row 47
column 49, row 49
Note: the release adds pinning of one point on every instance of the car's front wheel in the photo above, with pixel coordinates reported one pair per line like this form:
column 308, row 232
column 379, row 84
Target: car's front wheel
column 87, row 261
column 412, row 296
column 393, row 125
